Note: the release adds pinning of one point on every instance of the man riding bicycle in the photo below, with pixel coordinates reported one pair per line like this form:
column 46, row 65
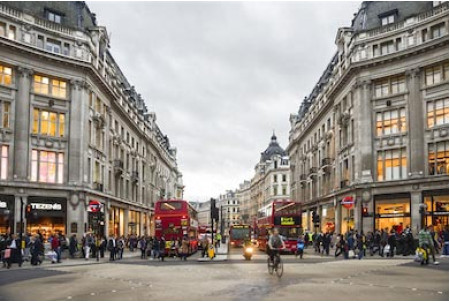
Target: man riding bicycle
column 276, row 243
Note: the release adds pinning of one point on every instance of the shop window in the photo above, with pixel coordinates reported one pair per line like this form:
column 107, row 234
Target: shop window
column 5, row 110
column 50, row 86
column 47, row 167
column 48, row 123
column 389, row 86
column 392, row 213
column 437, row 112
column 438, row 158
column 3, row 161
column 391, row 165
column 5, row 75
column 391, row 122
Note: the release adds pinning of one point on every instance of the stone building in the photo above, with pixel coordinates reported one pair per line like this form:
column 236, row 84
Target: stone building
column 229, row 210
column 74, row 133
column 373, row 133
column 243, row 194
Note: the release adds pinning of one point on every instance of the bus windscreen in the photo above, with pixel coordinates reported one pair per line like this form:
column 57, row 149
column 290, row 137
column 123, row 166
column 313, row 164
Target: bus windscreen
column 240, row 233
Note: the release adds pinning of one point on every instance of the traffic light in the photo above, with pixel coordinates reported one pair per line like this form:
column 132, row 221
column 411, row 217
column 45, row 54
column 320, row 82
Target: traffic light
column 315, row 217
column 28, row 211
column 365, row 212
column 214, row 210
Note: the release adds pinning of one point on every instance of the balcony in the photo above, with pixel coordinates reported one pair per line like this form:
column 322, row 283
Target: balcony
column 118, row 166
column 345, row 183
column 97, row 186
column 313, row 170
column 327, row 161
column 134, row 176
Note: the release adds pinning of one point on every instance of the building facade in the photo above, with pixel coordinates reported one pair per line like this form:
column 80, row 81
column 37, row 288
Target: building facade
column 229, row 211
column 270, row 181
column 74, row 132
column 243, row 194
column 369, row 145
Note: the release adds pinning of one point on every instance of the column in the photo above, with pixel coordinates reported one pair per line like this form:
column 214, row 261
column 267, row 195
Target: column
column 22, row 125
column 126, row 218
column 76, row 211
column 364, row 137
column 141, row 223
column 416, row 199
column 337, row 216
column 76, row 126
column 17, row 219
column 415, row 120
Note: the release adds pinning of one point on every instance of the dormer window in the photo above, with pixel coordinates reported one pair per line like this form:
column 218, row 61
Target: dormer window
column 388, row 17
column 54, row 17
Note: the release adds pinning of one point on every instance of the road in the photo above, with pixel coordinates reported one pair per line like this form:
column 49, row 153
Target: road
column 313, row 278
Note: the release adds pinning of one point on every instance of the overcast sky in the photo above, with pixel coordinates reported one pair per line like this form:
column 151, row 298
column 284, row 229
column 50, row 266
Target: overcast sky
column 222, row 75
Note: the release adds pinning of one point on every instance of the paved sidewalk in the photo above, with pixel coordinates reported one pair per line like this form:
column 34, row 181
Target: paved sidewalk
column 221, row 254
column 65, row 261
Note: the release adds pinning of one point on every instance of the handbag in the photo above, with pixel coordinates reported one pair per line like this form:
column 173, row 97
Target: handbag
column 387, row 249
column 351, row 253
column 7, row 253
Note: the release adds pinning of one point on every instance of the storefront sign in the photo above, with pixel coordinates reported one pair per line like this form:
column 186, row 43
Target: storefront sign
column 42, row 206
column 440, row 213
column 348, row 202
column 397, row 215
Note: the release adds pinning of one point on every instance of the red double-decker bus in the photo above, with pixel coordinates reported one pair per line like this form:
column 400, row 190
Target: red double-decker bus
column 238, row 234
column 284, row 215
column 175, row 219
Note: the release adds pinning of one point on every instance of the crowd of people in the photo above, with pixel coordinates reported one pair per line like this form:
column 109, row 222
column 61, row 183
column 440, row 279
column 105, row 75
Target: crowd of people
column 385, row 243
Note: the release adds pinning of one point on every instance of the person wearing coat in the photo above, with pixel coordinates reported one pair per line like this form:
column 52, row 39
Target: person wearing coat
column 184, row 248
column 73, row 246
column 15, row 251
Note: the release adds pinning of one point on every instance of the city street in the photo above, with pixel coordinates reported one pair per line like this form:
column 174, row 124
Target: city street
column 313, row 278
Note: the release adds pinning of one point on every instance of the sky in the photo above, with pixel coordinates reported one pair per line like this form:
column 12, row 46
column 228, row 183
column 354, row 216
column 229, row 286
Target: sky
column 222, row 76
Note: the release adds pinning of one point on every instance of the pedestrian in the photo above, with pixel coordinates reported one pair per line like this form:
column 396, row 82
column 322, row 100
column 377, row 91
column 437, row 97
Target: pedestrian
column 340, row 242
column 218, row 240
column 360, row 245
column 426, row 242
column 13, row 253
column 26, row 253
column 300, row 247
column 111, row 246
column 326, row 241
column 162, row 249
column 155, row 248
column 384, row 241
column 149, row 245
column 73, row 246
column 102, row 246
column 445, row 241
column 306, row 239
column 392, row 242
column 56, row 247
column 184, row 248
column 36, row 249
column 120, row 247
column 142, row 245
column 88, row 241
column 204, row 245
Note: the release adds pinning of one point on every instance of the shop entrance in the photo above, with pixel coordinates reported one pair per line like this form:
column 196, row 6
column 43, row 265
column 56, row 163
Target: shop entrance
column 6, row 214
column 437, row 209
column 393, row 212
column 48, row 216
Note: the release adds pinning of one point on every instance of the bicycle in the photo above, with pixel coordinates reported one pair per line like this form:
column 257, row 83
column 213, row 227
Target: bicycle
column 277, row 265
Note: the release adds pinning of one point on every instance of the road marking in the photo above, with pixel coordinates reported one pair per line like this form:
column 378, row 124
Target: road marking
column 413, row 289
column 69, row 298
column 92, row 293
column 113, row 290
column 440, row 292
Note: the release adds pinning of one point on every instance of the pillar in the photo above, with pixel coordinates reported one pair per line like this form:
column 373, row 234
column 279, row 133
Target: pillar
column 416, row 199
column 364, row 134
column 126, row 218
column 337, row 216
column 22, row 125
column 416, row 125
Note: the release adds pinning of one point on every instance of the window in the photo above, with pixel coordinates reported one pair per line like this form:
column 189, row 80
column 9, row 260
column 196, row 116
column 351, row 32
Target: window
column 391, row 122
column 48, row 123
column 66, row 49
column 284, row 178
column 40, row 41
column 387, row 47
column 436, row 74
column 438, row 158
column 2, row 29
column 53, row 46
column 275, row 190
column 387, row 19
column 3, row 162
column 438, row 30
column 391, row 164
column 12, row 32
column 6, row 112
column 389, row 86
column 54, row 17
column 47, row 166
column 437, row 112
column 50, row 86
column 5, row 75
column 275, row 179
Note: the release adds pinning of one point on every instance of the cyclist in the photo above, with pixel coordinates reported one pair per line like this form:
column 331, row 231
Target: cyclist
column 275, row 244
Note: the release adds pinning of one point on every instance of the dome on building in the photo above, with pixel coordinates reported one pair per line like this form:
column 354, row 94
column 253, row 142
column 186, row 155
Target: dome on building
column 273, row 149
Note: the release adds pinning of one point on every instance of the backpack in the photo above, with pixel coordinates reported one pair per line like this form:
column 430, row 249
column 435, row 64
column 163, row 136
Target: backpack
column 110, row 244
column 276, row 242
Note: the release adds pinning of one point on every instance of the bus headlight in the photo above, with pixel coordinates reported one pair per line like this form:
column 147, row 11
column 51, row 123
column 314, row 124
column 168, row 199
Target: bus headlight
column 249, row 250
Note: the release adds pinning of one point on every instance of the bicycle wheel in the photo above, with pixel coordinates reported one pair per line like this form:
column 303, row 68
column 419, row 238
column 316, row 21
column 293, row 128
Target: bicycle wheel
column 279, row 268
column 269, row 266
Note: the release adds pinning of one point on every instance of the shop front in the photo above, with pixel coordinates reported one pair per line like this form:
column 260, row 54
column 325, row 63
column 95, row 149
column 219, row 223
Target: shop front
column 305, row 222
column 392, row 211
column 134, row 223
column 6, row 214
column 116, row 221
column 48, row 216
column 96, row 217
column 328, row 218
column 437, row 208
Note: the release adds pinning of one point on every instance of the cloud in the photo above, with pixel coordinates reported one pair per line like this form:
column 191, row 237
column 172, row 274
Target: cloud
column 222, row 75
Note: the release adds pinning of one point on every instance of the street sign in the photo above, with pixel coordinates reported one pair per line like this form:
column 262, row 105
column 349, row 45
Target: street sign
column 348, row 202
